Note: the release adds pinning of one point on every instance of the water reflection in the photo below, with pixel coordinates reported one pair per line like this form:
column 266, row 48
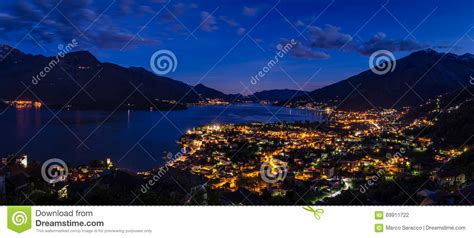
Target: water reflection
column 116, row 136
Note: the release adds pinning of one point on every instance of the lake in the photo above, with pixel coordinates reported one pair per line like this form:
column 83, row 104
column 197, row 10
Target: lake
column 134, row 140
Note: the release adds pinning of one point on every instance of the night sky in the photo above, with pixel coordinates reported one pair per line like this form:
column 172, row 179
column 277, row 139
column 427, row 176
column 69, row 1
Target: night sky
column 222, row 43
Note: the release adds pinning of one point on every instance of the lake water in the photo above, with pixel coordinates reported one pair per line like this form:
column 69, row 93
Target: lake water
column 135, row 140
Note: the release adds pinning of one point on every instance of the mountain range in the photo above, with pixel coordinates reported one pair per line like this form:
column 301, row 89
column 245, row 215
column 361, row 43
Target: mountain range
column 417, row 77
column 102, row 85
column 82, row 81
column 277, row 95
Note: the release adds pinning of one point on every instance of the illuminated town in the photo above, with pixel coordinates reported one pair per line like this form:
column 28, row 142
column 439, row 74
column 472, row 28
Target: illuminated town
column 344, row 157
column 342, row 153
column 24, row 104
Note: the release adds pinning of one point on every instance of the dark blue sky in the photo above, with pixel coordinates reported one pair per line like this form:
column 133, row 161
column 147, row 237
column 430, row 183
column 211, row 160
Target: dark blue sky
column 232, row 40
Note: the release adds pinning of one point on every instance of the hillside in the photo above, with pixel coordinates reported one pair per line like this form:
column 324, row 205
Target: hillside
column 434, row 74
column 104, row 85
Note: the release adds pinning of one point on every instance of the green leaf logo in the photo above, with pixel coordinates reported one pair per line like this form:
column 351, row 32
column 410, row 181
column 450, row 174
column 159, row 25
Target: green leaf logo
column 19, row 218
column 316, row 212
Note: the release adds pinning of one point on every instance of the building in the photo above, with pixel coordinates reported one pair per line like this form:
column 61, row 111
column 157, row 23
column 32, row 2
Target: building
column 21, row 160
column 327, row 171
column 452, row 179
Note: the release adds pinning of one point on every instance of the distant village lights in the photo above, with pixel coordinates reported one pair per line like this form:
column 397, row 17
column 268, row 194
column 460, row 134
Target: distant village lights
column 22, row 104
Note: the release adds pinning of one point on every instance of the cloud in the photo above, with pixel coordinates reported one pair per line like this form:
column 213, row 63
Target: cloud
column 176, row 28
column 299, row 23
column 117, row 40
column 176, row 11
column 208, row 22
column 6, row 17
column 249, row 11
column 303, row 52
column 160, row 1
column 379, row 42
column 179, row 9
column 70, row 20
column 328, row 37
column 126, row 6
column 144, row 9
column 230, row 22
column 241, row 31
column 300, row 51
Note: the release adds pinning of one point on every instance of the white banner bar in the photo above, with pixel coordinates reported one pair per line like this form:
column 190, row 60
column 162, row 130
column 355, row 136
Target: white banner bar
column 236, row 221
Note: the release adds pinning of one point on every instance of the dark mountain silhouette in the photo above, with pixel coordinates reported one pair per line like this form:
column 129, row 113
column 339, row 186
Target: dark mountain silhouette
column 434, row 74
column 278, row 95
column 205, row 92
column 105, row 85
column 452, row 116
